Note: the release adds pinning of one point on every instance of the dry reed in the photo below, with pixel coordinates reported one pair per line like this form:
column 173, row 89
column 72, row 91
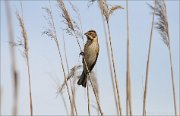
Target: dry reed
column 73, row 29
column 52, row 33
column 147, row 65
column 89, row 111
column 75, row 74
column 163, row 28
column 93, row 86
column 106, row 11
column 26, row 52
column 110, row 65
column 72, row 87
column 13, row 57
column 128, row 78
column 81, row 31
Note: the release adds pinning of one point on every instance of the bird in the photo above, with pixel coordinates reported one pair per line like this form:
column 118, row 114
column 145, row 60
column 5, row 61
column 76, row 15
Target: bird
column 90, row 55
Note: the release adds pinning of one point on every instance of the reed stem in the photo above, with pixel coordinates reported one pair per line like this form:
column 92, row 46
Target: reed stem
column 114, row 69
column 128, row 105
column 110, row 65
column 89, row 111
column 147, row 65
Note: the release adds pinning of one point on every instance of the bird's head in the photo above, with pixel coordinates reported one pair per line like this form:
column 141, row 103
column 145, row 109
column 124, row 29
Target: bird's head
column 91, row 35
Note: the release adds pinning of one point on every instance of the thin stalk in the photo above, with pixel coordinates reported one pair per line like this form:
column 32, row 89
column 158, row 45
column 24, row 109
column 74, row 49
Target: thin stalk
column 89, row 111
column 97, row 100
column 147, row 65
column 59, row 52
column 172, row 78
column 110, row 65
column 74, row 94
column 128, row 105
column 65, row 54
column 29, row 77
column 127, row 99
column 172, row 75
column 62, row 66
column 114, row 69
column 72, row 89
column 13, row 58
column 26, row 52
column 163, row 28
column 64, row 102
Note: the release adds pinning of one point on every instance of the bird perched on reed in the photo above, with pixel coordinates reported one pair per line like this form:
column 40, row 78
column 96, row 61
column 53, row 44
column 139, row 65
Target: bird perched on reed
column 90, row 55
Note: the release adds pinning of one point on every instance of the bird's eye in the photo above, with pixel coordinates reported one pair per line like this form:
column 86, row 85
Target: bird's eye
column 92, row 34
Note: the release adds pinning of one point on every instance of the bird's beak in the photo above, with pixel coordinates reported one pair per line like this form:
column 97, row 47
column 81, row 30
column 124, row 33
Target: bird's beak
column 86, row 34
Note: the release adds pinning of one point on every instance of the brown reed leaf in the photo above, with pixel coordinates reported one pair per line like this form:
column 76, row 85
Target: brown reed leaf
column 107, row 9
column 52, row 33
column 114, row 8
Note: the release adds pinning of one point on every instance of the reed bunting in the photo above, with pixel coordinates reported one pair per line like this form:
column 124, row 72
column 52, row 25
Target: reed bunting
column 90, row 55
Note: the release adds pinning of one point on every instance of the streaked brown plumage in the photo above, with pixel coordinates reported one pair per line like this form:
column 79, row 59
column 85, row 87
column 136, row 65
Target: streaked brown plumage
column 91, row 52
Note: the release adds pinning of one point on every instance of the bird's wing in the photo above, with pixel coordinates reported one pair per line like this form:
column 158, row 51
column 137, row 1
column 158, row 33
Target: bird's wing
column 92, row 66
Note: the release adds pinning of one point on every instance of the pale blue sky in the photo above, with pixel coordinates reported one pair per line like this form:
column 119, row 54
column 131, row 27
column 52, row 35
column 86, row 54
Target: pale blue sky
column 45, row 65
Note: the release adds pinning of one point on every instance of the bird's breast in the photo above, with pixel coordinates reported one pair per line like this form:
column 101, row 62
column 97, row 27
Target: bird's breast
column 91, row 52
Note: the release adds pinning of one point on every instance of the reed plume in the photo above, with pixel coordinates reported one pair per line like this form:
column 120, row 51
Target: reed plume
column 26, row 52
column 163, row 28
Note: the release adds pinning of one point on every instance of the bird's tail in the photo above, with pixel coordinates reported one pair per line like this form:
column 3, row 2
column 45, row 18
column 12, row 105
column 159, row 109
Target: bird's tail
column 83, row 80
